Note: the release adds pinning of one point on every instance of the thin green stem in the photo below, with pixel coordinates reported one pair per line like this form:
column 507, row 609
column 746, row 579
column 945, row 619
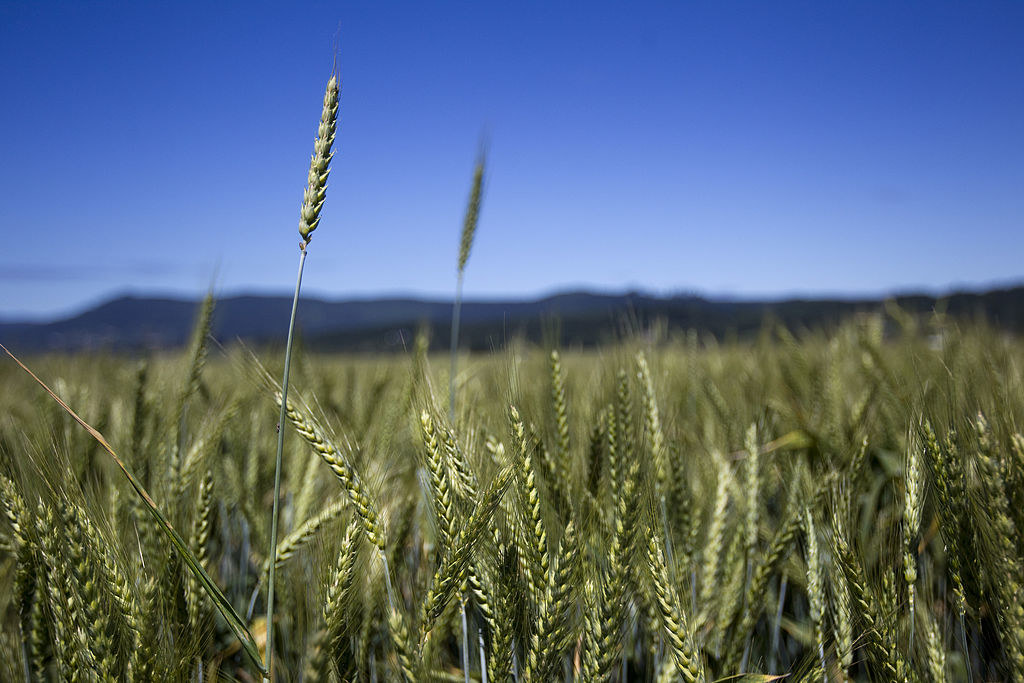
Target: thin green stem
column 387, row 581
column 277, row 469
column 456, row 311
column 967, row 653
column 483, row 657
column 465, row 640
column 25, row 659
column 910, row 646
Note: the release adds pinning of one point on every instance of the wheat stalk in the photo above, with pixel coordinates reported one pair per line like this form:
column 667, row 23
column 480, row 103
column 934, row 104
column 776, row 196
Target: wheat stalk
column 465, row 245
column 309, row 218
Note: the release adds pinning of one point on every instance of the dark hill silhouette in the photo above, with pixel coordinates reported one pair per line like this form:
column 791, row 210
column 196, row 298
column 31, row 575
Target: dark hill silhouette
column 574, row 318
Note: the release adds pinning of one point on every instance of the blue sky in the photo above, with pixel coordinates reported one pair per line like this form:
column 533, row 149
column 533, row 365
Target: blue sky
column 731, row 148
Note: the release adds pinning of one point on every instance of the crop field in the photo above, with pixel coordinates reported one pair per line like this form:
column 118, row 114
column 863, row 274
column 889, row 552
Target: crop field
column 841, row 506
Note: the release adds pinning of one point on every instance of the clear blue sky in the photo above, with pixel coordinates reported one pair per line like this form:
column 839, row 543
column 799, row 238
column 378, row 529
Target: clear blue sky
column 739, row 148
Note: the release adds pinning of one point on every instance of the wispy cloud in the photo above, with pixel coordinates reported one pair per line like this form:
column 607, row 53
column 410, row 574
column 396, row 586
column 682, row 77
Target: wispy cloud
column 80, row 273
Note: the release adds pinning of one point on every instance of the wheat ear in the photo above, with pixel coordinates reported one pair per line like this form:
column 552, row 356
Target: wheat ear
column 308, row 428
column 912, row 503
column 815, row 587
column 25, row 576
column 441, row 499
column 465, row 245
column 558, row 404
column 713, row 545
column 319, row 164
column 338, row 594
column 305, row 532
column 451, row 572
column 672, row 618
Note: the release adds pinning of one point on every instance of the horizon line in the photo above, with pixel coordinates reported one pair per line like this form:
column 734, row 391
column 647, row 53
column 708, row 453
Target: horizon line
column 881, row 294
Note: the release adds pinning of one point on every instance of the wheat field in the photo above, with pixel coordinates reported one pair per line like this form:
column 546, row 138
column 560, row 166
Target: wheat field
column 841, row 506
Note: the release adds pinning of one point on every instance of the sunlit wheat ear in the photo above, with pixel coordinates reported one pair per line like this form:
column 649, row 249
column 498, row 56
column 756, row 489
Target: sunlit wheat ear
column 404, row 651
column 199, row 541
column 558, row 403
column 503, row 588
column 564, row 591
column 338, row 461
column 997, row 544
column 82, row 545
column 306, row 532
column 753, row 490
column 912, row 504
column 535, row 551
column 602, row 641
column 947, row 475
column 330, row 652
column 715, row 539
column 26, row 582
column 815, row 587
column 934, row 648
column 338, row 593
column 464, row 481
column 319, row 164
column 672, row 619
column 71, row 628
column 548, row 636
column 652, row 422
column 442, row 472
column 842, row 612
column 452, row 571
column 441, row 499
column 658, row 450
column 879, row 634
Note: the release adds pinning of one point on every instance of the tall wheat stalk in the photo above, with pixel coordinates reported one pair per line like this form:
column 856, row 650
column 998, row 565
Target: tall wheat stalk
column 309, row 218
column 465, row 245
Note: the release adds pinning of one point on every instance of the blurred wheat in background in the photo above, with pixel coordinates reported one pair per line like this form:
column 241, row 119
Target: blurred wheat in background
column 842, row 506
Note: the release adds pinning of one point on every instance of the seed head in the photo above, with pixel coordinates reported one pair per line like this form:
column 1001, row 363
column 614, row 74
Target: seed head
column 472, row 212
column 316, row 186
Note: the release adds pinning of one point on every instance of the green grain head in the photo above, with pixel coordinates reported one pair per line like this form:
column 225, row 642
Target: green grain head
column 472, row 212
column 319, row 165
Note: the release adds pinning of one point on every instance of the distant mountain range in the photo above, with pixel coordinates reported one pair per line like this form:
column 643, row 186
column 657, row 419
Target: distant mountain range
column 568, row 319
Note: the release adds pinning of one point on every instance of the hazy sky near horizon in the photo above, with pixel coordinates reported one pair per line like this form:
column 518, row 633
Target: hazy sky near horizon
column 734, row 148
